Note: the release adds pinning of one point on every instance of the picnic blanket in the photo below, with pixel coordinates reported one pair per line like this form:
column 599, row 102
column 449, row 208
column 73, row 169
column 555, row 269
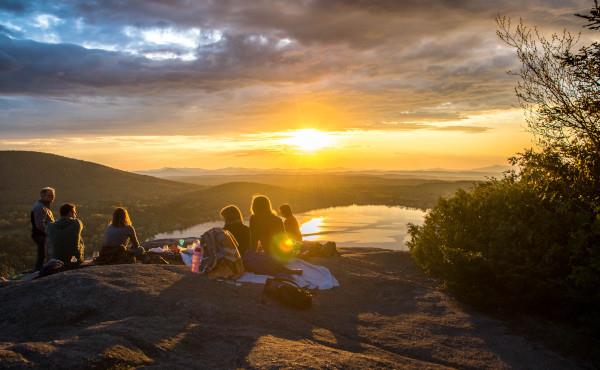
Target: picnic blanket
column 313, row 276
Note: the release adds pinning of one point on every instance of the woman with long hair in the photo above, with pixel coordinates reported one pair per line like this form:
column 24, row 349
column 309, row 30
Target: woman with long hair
column 267, row 230
column 119, row 234
column 265, row 226
column 121, row 230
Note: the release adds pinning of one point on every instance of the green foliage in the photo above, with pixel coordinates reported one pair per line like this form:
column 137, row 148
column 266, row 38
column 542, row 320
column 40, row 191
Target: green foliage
column 525, row 240
column 560, row 85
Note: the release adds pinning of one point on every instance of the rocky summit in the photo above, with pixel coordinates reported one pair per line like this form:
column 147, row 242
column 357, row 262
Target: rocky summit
column 385, row 314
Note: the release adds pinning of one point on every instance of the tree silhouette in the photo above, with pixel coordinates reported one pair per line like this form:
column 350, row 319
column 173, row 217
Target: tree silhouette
column 560, row 86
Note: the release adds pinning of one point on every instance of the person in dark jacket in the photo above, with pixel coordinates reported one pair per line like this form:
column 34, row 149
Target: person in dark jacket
column 64, row 236
column 234, row 224
column 41, row 216
column 266, row 230
column 290, row 224
column 265, row 226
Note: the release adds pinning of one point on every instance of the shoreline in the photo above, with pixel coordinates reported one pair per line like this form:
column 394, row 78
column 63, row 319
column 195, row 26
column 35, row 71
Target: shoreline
column 218, row 222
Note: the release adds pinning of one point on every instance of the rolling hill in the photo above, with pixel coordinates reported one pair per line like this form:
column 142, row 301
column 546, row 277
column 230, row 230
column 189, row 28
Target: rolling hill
column 24, row 173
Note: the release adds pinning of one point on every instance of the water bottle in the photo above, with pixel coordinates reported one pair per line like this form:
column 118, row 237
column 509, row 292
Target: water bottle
column 196, row 257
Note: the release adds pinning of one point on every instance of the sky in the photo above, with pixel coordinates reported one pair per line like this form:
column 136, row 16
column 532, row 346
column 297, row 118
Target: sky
column 354, row 84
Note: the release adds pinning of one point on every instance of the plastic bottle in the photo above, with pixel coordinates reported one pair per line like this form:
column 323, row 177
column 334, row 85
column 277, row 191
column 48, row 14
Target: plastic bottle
column 196, row 257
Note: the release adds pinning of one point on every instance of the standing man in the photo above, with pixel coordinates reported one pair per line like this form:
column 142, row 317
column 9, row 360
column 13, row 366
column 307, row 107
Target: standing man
column 41, row 216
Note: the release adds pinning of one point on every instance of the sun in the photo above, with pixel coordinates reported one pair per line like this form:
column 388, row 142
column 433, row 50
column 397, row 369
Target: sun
column 308, row 140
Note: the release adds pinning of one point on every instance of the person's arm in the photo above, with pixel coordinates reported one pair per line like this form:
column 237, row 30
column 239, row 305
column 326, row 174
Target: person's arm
column 297, row 231
column 49, row 246
column 40, row 218
column 286, row 226
column 49, row 217
column 245, row 238
column 133, row 237
column 253, row 236
column 290, row 227
column 80, row 246
column 279, row 228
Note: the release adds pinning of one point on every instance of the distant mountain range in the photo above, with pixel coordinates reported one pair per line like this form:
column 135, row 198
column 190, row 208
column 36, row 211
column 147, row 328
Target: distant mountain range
column 23, row 173
column 434, row 173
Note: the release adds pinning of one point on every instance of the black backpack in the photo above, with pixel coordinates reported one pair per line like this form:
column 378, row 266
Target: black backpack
column 288, row 293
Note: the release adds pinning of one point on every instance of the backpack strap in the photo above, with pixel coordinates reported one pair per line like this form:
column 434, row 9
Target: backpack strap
column 285, row 279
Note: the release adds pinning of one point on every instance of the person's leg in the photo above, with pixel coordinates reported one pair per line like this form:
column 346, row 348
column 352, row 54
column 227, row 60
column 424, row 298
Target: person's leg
column 260, row 263
column 264, row 264
column 138, row 252
column 40, row 243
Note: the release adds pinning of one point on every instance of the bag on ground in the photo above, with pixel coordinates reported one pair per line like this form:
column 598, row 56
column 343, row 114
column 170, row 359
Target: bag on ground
column 288, row 293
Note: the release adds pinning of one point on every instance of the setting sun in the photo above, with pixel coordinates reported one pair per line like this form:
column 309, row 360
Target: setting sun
column 308, row 140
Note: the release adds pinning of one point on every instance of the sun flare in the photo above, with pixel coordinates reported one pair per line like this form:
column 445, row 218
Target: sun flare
column 308, row 140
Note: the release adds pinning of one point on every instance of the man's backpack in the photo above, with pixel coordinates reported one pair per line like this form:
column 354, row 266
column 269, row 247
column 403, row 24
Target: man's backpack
column 288, row 293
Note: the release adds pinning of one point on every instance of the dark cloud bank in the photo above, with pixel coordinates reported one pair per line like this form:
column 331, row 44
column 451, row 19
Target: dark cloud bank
column 398, row 55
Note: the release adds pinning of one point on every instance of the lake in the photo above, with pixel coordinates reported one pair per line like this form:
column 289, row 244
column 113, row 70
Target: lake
column 349, row 226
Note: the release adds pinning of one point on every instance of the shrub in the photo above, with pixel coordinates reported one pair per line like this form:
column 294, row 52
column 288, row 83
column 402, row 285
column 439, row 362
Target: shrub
column 532, row 239
column 504, row 244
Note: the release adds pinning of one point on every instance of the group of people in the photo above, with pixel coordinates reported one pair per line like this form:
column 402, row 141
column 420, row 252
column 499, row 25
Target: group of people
column 260, row 243
column 267, row 240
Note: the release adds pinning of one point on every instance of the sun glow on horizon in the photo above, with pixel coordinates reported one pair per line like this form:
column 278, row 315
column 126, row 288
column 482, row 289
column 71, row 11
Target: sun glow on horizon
column 308, row 140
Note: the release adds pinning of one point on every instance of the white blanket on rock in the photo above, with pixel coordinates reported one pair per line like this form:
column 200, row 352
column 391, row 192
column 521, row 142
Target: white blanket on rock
column 313, row 276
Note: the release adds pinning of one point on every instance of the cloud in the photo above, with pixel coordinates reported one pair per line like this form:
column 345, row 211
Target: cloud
column 14, row 6
column 266, row 152
column 65, row 69
column 414, row 126
column 143, row 64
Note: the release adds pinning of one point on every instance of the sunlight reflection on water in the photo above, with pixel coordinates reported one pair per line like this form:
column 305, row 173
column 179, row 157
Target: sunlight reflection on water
column 350, row 226
column 361, row 226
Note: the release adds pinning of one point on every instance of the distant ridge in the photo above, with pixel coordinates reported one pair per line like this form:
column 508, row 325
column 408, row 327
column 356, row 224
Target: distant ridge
column 23, row 173
column 246, row 174
column 494, row 168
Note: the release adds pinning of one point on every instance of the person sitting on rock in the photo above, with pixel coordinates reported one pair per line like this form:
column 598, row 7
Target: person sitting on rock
column 119, row 234
column 290, row 223
column 267, row 231
column 265, row 225
column 233, row 223
column 64, row 237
